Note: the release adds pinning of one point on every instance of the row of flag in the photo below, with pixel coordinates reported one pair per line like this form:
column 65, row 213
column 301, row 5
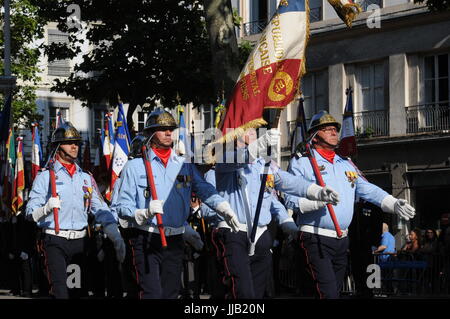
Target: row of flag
column 111, row 156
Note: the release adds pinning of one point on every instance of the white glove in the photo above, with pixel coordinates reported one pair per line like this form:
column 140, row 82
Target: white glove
column 113, row 233
column 143, row 214
column 324, row 194
column 10, row 256
column 307, row 206
column 258, row 148
column 224, row 210
column 192, row 237
column 23, row 255
column 392, row 205
column 290, row 229
column 156, row 207
column 38, row 213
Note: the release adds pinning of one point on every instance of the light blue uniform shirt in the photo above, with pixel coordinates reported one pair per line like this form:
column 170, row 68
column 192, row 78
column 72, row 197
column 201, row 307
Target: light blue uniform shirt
column 389, row 241
column 74, row 210
column 334, row 175
column 173, row 183
column 228, row 178
column 210, row 216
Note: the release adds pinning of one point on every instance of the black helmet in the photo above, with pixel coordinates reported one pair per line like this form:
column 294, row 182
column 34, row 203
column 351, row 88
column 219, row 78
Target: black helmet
column 66, row 133
column 322, row 119
column 136, row 146
column 159, row 119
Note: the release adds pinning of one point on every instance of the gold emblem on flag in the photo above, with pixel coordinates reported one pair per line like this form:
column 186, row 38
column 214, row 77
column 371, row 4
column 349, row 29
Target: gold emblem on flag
column 280, row 86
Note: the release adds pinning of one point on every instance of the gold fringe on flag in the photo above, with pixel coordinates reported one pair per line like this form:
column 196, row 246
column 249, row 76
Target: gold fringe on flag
column 210, row 157
column 346, row 11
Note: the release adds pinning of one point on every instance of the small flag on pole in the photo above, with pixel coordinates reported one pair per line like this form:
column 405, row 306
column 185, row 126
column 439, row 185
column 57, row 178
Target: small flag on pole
column 121, row 150
column 347, row 146
column 59, row 120
column 19, row 179
column 182, row 136
column 36, row 152
column 108, row 146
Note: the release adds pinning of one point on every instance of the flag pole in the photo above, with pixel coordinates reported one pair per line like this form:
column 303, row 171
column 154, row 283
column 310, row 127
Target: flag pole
column 262, row 188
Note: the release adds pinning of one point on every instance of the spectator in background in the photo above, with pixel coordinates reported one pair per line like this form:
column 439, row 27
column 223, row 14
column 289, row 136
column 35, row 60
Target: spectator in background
column 414, row 243
column 387, row 245
column 430, row 243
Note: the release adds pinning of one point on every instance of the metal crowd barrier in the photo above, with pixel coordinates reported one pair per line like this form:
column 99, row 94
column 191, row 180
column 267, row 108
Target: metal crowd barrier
column 413, row 274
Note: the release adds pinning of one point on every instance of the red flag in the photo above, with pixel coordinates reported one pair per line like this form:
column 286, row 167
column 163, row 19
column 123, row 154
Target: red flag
column 19, row 179
column 271, row 75
column 36, row 151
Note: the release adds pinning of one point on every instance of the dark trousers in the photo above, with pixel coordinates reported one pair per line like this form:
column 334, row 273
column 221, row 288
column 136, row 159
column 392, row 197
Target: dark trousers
column 245, row 276
column 59, row 253
column 158, row 271
column 20, row 276
column 326, row 262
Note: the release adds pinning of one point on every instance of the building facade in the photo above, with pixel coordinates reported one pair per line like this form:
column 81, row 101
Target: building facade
column 396, row 58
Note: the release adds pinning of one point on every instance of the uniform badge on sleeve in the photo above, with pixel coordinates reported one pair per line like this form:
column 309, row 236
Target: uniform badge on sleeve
column 351, row 176
column 87, row 196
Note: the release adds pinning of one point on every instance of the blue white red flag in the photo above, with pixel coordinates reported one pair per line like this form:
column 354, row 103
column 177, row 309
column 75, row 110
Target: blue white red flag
column 347, row 146
column 59, row 120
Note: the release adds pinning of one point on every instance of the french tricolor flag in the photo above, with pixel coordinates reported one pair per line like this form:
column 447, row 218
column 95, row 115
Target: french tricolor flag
column 36, row 152
column 347, row 146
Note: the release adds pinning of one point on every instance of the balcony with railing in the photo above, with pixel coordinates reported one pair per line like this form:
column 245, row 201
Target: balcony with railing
column 254, row 27
column 371, row 123
column 432, row 117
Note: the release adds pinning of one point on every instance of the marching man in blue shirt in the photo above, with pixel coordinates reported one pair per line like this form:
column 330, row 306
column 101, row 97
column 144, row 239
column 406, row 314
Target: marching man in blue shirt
column 245, row 271
column 325, row 252
column 77, row 196
column 159, row 270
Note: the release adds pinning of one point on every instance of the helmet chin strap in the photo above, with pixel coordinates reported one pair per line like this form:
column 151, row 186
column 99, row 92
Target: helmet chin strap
column 68, row 155
column 323, row 140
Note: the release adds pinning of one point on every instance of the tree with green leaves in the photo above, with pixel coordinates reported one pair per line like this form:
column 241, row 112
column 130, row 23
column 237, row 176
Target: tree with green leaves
column 144, row 51
column 26, row 28
column 221, row 21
